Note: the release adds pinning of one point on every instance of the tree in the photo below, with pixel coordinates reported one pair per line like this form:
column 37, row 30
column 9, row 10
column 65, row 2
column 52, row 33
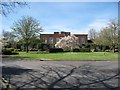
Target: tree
column 68, row 43
column 92, row 34
column 8, row 6
column 8, row 39
column 35, row 42
column 0, row 45
column 27, row 28
column 109, row 35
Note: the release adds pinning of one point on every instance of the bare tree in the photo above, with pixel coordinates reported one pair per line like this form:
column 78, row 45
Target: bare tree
column 8, row 6
column 27, row 28
column 109, row 35
column 8, row 39
column 92, row 34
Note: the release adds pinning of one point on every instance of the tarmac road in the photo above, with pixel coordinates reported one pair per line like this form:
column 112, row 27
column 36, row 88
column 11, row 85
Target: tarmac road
column 60, row 74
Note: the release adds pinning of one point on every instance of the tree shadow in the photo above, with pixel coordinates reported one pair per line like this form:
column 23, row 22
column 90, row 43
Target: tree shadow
column 13, row 70
column 72, row 78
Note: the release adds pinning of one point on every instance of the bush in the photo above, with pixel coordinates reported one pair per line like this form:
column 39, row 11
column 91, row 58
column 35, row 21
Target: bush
column 107, row 50
column 18, row 49
column 42, row 52
column 33, row 49
column 14, row 53
column 116, row 50
column 55, row 50
column 76, row 50
column 66, row 50
column 92, row 50
column 9, row 51
column 6, row 52
column 44, row 46
column 84, row 50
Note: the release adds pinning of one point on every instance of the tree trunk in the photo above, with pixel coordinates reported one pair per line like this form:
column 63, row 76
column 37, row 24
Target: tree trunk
column 114, row 48
column 27, row 48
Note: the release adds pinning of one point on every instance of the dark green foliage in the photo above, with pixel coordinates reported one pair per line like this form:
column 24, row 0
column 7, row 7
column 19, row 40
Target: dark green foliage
column 84, row 49
column 15, row 53
column 9, row 51
column 76, row 50
column 107, row 50
column 42, row 52
column 116, row 50
column 33, row 49
column 66, row 50
column 55, row 50
column 44, row 47
column 18, row 50
column 6, row 52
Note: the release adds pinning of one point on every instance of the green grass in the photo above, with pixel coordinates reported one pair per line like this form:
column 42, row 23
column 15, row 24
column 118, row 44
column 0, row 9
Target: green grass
column 70, row 56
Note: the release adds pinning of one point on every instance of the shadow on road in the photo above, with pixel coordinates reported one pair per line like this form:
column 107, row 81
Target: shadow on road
column 72, row 78
column 13, row 70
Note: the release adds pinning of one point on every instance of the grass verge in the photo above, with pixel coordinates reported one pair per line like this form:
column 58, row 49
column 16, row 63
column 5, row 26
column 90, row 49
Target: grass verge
column 69, row 56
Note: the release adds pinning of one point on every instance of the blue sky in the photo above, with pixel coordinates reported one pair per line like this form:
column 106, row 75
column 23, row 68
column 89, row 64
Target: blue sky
column 76, row 17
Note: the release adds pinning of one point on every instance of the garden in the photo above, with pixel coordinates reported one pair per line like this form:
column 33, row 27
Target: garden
column 60, row 54
column 101, row 46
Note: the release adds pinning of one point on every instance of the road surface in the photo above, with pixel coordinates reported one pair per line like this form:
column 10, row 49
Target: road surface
column 60, row 74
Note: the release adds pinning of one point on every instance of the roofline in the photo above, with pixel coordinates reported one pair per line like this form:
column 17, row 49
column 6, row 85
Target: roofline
column 46, row 34
column 73, row 34
column 80, row 34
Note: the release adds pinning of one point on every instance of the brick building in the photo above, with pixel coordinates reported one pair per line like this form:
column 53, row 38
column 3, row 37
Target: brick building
column 54, row 38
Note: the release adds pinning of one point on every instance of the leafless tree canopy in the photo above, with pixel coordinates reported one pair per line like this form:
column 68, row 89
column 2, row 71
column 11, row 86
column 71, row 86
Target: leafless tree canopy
column 27, row 28
column 8, row 6
column 92, row 34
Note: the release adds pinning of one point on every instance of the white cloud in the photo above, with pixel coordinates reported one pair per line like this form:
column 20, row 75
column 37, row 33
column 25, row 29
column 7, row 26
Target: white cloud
column 97, row 25
column 61, row 27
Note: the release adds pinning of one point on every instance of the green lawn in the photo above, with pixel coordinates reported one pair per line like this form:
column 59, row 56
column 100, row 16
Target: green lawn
column 70, row 56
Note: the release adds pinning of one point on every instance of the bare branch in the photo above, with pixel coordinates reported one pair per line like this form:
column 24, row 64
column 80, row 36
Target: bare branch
column 9, row 6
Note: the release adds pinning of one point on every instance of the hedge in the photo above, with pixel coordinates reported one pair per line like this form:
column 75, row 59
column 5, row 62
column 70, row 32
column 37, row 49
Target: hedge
column 55, row 50
column 9, row 52
column 84, row 49
column 76, row 50
column 33, row 49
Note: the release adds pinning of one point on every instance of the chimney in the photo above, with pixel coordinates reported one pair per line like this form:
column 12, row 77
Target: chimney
column 62, row 32
column 56, row 32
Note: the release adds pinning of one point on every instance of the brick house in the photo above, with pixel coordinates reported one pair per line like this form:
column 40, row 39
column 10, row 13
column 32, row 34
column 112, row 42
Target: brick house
column 54, row 38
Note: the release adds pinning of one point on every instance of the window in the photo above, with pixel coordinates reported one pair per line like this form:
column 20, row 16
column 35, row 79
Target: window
column 51, row 39
column 45, row 40
column 57, row 39
column 83, row 40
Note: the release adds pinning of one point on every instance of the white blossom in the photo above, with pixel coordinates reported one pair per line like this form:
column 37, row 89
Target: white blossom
column 68, row 43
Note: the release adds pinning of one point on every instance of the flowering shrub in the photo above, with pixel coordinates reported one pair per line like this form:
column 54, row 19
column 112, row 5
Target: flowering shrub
column 68, row 43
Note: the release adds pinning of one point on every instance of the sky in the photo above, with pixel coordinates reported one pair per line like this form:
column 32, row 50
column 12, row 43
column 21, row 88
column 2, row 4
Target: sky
column 75, row 17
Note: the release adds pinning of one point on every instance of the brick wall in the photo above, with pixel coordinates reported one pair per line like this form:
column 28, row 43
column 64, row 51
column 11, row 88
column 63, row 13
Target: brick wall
column 48, row 37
